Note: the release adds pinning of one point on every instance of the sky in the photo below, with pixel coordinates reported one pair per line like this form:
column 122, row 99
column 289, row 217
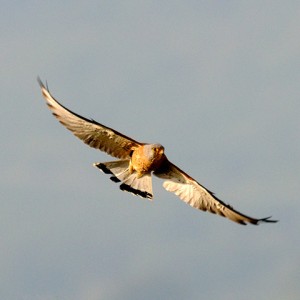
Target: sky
column 216, row 83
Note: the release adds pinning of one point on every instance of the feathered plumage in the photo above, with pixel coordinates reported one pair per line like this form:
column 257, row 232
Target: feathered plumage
column 138, row 161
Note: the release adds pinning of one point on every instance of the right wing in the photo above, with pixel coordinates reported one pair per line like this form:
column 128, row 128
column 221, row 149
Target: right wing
column 90, row 132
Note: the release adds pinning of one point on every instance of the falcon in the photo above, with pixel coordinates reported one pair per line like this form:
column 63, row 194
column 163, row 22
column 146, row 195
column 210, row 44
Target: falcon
column 138, row 161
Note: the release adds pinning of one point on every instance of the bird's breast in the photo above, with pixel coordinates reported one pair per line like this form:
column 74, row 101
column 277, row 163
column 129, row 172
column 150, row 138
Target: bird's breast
column 145, row 160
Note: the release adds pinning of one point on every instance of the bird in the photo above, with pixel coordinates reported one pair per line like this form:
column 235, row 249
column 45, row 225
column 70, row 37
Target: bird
column 137, row 162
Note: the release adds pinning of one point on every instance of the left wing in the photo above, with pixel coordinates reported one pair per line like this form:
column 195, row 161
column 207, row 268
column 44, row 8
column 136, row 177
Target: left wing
column 193, row 193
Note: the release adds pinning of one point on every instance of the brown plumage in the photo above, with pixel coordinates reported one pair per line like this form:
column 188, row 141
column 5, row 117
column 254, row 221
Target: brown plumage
column 138, row 161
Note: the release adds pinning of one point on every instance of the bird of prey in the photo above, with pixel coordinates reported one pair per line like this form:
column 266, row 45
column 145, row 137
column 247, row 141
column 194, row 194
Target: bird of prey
column 138, row 161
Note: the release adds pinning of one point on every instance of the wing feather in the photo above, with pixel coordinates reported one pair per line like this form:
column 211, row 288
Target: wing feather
column 194, row 194
column 91, row 132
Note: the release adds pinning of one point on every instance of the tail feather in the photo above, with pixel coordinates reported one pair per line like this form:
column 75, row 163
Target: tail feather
column 140, row 186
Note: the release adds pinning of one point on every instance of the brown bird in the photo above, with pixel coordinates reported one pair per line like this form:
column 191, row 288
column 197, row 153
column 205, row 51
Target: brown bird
column 138, row 161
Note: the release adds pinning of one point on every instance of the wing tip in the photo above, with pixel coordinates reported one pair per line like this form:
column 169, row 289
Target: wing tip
column 267, row 220
column 42, row 85
column 259, row 221
column 39, row 80
column 45, row 90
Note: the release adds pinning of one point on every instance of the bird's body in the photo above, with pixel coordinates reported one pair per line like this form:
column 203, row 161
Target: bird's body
column 138, row 161
column 147, row 159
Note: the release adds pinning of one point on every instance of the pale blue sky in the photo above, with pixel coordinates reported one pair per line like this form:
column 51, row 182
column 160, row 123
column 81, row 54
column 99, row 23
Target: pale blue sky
column 215, row 82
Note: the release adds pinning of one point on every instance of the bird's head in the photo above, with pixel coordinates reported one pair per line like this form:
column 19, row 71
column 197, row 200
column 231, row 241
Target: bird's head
column 158, row 149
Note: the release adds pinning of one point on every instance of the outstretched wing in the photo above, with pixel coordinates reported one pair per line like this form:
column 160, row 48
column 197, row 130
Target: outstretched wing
column 89, row 131
column 193, row 193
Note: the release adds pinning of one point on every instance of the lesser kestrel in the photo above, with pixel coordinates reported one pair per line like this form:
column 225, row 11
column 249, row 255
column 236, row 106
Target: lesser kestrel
column 138, row 161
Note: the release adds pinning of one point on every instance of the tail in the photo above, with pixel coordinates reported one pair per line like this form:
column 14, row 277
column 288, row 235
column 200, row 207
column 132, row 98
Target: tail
column 141, row 186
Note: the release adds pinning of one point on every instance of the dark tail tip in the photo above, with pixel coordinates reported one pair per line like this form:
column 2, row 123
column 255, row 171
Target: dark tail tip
column 103, row 168
column 143, row 194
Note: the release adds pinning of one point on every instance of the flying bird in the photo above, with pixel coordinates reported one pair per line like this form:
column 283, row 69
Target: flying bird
column 138, row 161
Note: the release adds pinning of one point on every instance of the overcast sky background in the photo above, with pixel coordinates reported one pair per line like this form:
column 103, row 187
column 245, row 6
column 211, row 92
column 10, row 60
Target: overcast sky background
column 215, row 82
